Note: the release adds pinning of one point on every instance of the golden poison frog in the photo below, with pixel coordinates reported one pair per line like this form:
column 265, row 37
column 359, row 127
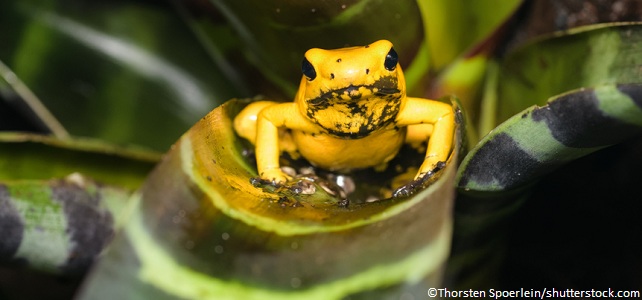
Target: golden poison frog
column 350, row 112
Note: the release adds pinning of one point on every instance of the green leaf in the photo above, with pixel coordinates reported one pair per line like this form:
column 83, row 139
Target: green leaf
column 123, row 72
column 540, row 139
column 27, row 156
column 560, row 98
column 462, row 36
column 584, row 57
column 58, row 226
column 454, row 27
column 505, row 169
column 536, row 140
column 202, row 230
column 464, row 78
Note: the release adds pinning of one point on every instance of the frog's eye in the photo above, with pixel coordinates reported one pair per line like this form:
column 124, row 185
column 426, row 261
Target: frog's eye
column 391, row 60
column 308, row 69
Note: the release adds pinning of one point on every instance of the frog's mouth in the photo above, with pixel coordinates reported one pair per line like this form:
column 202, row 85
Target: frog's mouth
column 356, row 111
column 350, row 94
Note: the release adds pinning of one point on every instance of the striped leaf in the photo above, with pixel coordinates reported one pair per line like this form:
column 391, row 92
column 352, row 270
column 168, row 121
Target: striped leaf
column 57, row 226
column 60, row 225
column 574, row 122
column 203, row 231
column 584, row 57
column 495, row 176
column 560, row 98
column 540, row 139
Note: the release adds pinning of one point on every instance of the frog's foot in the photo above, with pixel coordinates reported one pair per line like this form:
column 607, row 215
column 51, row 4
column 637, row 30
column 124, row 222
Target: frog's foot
column 422, row 180
column 277, row 180
column 274, row 176
column 305, row 188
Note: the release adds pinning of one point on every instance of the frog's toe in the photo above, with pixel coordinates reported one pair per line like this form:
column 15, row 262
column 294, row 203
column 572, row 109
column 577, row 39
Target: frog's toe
column 428, row 172
column 275, row 176
column 404, row 190
column 422, row 180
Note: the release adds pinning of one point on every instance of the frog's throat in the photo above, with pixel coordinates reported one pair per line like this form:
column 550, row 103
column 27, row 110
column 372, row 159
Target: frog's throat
column 355, row 112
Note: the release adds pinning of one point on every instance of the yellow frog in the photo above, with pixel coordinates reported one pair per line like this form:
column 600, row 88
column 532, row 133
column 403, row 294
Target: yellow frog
column 350, row 112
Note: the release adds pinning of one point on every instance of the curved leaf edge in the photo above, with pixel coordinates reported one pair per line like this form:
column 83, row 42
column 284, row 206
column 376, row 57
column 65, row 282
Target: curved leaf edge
column 540, row 139
column 569, row 32
column 83, row 144
column 269, row 215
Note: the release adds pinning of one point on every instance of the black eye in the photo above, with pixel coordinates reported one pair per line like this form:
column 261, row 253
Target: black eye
column 308, row 69
column 391, row 60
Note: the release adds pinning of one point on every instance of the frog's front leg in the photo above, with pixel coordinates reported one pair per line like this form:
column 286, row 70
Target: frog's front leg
column 268, row 122
column 442, row 117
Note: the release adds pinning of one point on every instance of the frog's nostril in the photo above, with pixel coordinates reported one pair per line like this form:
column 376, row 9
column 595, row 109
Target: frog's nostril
column 367, row 71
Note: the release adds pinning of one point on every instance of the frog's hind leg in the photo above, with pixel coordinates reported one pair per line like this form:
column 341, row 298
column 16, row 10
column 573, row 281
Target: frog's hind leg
column 245, row 121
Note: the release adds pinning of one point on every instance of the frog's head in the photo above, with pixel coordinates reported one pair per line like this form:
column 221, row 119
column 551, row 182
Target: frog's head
column 352, row 92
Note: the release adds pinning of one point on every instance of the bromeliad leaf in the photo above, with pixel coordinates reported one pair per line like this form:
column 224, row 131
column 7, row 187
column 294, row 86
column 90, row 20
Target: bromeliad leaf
column 459, row 16
column 460, row 55
column 496, row 176
column 537, row 140
column 203, row 231
column 30, row 156
column 584, row 57
column 540, row 139
column 58, row 226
